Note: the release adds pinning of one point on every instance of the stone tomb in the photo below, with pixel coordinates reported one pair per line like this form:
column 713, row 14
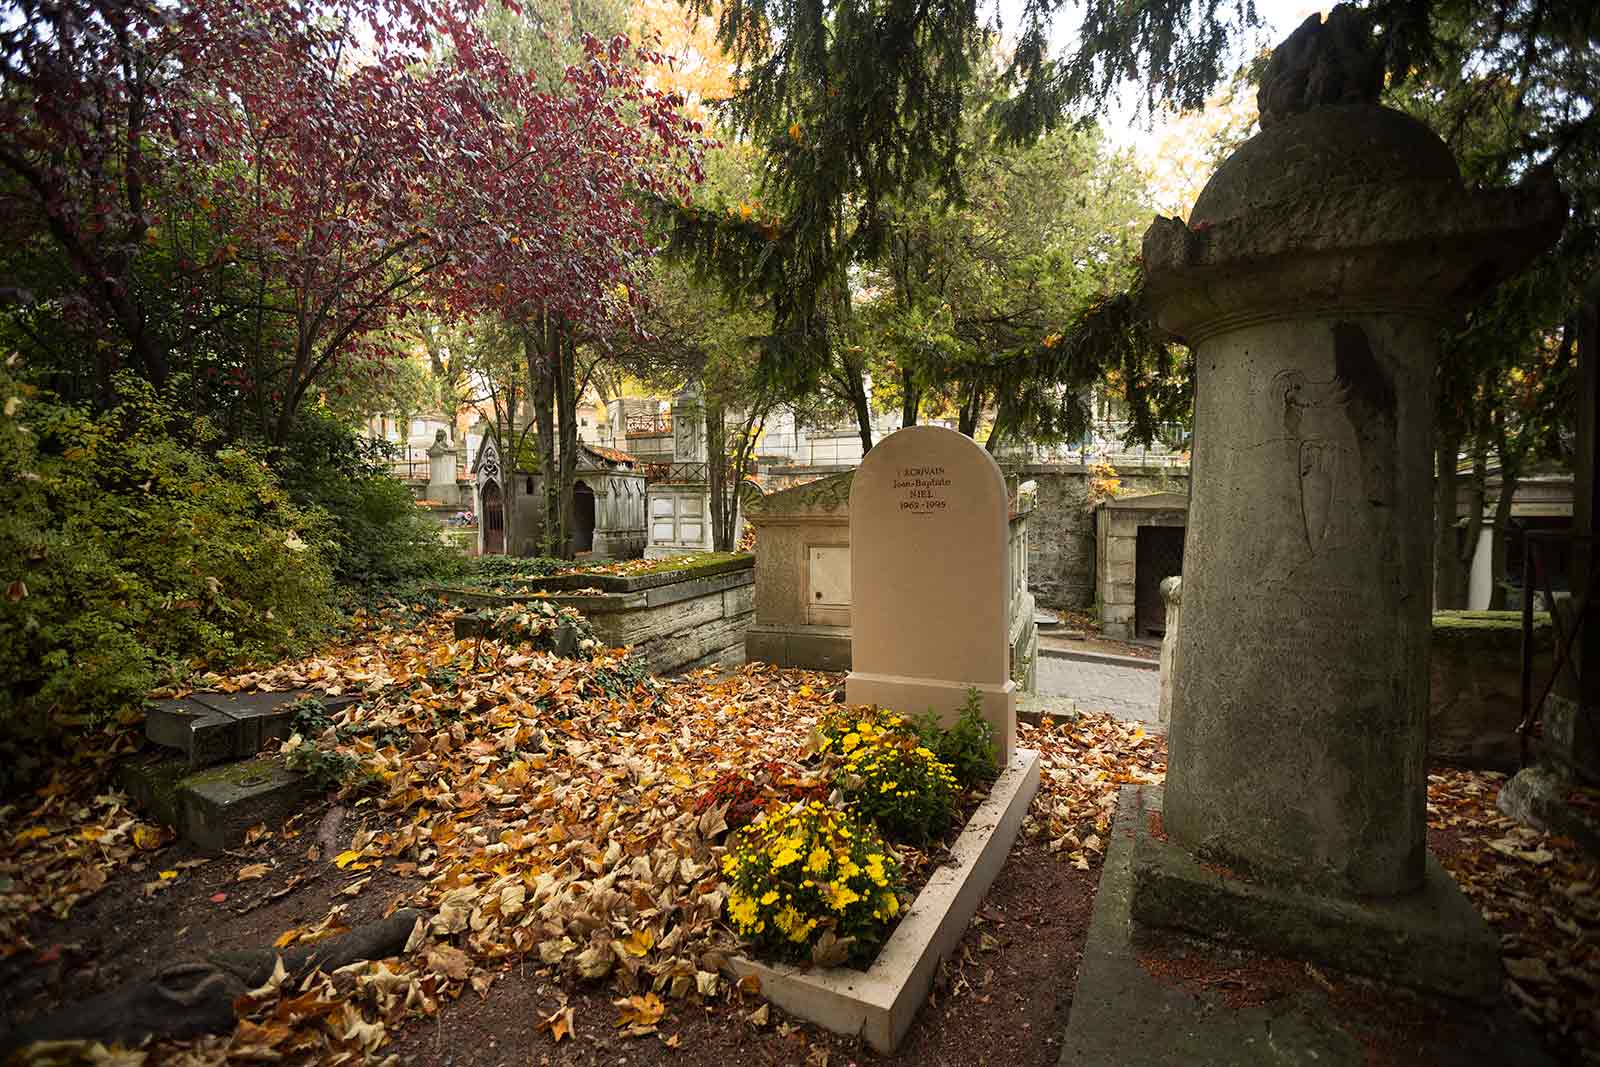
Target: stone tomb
column 930, row 581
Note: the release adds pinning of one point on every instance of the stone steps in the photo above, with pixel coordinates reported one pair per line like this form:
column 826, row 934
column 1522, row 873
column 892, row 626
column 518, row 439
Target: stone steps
column 205, row 779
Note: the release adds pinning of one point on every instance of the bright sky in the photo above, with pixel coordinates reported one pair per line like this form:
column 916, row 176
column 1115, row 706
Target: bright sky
column 1120, row 124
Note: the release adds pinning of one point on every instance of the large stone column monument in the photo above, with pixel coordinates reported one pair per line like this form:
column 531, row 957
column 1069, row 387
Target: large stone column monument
column 1312, row 280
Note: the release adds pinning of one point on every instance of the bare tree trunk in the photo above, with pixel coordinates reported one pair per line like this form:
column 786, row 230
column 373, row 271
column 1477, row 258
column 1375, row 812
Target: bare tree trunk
column 567, row 430
column 910, row 399
column 541, row 392
column 717, row 476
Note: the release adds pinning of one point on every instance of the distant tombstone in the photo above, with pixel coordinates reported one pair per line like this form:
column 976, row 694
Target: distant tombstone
column 930, row 583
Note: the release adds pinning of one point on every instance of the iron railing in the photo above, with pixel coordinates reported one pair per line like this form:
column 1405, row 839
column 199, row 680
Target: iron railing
column 1534, row 569
column 410, row 464
column 648, row 424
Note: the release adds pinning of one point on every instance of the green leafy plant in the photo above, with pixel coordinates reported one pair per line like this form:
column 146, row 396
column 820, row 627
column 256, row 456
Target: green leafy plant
column 370, row 529
column 323, row 768
column 967, row 747
column 136, row 547
column 900, row 786
column 811, row 883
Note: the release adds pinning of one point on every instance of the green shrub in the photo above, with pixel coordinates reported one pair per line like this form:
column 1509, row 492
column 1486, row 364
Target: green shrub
column 375, row 535
column 136, row 547
column 967, row 747
column 811, row 883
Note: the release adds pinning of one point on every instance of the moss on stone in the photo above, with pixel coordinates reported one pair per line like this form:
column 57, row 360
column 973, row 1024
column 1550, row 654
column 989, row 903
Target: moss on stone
column 829, row 494
column 1494, row 628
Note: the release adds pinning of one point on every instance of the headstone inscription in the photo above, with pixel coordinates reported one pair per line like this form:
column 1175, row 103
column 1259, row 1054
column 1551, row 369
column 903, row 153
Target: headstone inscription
column 930, row 582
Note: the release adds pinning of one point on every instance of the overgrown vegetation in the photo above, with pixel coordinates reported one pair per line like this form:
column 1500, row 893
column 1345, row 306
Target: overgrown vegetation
column 147, row 545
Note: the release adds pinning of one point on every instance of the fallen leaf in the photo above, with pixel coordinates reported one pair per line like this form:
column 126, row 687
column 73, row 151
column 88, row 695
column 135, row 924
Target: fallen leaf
column 558, row 1025
column 254, row 870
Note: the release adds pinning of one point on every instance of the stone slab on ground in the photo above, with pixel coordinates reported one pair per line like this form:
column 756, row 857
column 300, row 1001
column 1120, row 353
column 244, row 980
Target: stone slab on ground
column 1433, row 939
column 1544, row 798
column 217, row 805
column 879, row 1004
column 1037, row 710
column 1160, row 1001
column 210, row 728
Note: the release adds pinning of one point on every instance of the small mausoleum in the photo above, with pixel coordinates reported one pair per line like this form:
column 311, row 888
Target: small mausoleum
column 1138, row 544
column 680, row 488
column 608, row 503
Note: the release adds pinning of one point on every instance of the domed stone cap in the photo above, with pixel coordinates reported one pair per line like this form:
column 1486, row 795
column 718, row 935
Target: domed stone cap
column 1339, row 205
column 1317, row 151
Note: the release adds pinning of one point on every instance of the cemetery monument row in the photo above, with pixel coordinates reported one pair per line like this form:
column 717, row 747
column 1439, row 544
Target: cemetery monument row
column 929, row 576
column 1312, row 281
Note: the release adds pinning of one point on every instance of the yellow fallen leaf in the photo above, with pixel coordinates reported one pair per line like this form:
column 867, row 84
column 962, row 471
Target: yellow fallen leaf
column 345, row 859
column 254, row 870
column 148, row 837
column 32, row 833
column 639, row 942
column 167, row 876
column 286, row 938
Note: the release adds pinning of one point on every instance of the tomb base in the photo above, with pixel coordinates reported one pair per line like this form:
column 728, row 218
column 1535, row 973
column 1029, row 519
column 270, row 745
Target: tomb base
column 917, row 696
column 1164, row 999
column 1432, row 939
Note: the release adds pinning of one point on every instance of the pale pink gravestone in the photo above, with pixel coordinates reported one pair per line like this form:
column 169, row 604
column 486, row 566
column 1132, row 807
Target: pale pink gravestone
column 930, row 581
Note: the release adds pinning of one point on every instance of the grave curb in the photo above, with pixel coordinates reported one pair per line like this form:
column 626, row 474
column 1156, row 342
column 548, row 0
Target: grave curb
column 879, row 1004
column 1101, row 657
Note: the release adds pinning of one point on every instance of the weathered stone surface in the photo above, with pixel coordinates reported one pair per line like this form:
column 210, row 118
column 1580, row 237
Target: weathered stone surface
column 1325, row 254
column 211, row 728
column 1123, row 1013
column 218, row 805
column 930, row 585
column 204, row 735
column 1172, row 595
column 1475, row 686
column 821, row 648
column 1541, row 796
column 1432, row 939
column 1061, row 537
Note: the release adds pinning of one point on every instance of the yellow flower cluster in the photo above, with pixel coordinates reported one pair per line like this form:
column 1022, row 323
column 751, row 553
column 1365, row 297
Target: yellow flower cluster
column 810, row 869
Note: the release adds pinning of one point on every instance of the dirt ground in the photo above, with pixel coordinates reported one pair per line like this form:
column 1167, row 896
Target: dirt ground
column 1003, row 998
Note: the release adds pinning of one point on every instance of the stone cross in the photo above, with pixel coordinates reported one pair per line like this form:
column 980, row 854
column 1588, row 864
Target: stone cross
column 930, row 582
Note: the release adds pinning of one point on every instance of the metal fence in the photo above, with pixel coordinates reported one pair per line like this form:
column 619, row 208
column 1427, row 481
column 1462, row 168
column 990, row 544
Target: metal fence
column 410, row 463
column 1108, row 442
column 649, row 424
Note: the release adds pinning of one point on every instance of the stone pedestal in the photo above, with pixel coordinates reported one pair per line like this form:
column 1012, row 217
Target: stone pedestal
column 1318, row 267
column 1172, row 599
column 442, row 472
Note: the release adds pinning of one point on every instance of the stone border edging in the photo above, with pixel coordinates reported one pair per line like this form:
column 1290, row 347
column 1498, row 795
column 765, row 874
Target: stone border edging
column 880, row 1003
column 1100, row 657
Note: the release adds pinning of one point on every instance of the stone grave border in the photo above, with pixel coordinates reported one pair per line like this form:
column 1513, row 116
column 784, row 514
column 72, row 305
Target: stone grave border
column 879, row 1004
column 680, row 619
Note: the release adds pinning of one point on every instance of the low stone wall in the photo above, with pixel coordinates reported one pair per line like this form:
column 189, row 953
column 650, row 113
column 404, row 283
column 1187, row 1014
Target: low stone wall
column 1475, row 685
column 677, row 620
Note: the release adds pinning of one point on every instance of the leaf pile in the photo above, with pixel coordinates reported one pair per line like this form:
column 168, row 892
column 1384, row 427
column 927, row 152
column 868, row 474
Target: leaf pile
column 1083, row 764
column 60, row 843
column 1542, row 896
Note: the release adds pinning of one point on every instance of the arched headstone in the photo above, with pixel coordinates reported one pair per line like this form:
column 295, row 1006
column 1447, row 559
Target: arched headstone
column 930, row 580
